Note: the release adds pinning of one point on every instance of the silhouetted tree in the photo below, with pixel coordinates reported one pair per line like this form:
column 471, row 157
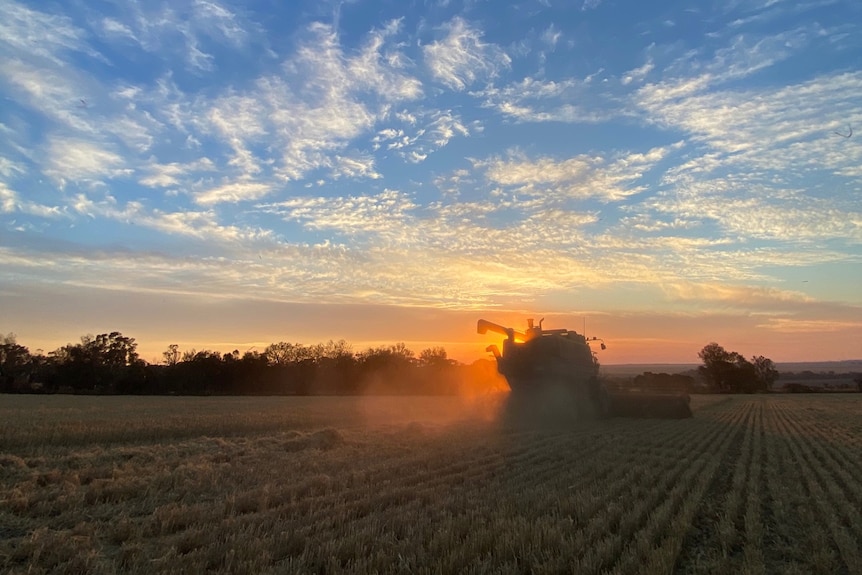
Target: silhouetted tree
column 284, row 353
column 387, row 369
column 172, row 355
column 204, row 373
column 332, row 350
column 108, row 362
column 251, row 372
column 743, row 377
column 717, row 365
column 434, row 357
column 729, row 372
column 765, row 372
column 15, row 361
column 392, row 356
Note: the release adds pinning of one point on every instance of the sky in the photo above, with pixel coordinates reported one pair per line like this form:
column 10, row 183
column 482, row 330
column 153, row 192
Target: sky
column 226, row 175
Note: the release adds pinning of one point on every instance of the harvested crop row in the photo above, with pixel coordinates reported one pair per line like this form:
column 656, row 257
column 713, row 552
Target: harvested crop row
column 825, row 493
column 751, row 484
column 659, row 546
column 798, row 538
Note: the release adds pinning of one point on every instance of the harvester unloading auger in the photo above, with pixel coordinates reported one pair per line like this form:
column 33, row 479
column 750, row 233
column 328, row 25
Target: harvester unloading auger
column 537, row 359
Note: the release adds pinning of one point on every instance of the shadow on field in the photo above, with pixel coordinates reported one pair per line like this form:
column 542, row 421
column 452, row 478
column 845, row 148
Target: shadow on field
column 562, row 406
column 553, row 407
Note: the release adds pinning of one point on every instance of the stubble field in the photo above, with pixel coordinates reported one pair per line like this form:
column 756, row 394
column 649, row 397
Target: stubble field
column 751, row 484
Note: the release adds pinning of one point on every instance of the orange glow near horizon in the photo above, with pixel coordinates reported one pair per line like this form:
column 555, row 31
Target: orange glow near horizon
column 630, row 338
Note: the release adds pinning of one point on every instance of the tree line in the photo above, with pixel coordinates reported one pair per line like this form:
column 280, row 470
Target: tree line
column 729, row 372
column 109, row 363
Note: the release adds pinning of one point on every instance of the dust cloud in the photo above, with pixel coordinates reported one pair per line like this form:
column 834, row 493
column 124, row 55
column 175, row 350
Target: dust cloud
column 502, row 410
column 458, row 398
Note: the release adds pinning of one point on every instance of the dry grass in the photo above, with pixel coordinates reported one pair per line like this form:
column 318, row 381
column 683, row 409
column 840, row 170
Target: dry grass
column 429, row 485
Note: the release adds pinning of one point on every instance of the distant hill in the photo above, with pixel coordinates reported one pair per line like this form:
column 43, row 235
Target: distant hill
column 626, row 369
column 632, row 369
column 848, row 366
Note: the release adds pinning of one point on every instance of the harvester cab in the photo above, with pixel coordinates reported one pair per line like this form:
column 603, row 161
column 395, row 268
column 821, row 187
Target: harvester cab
column 538, row 359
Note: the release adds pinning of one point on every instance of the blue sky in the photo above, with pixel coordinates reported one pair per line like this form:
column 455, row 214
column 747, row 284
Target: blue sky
column 226, row 175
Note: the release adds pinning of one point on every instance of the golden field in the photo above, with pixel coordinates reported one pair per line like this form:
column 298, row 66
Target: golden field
column 750, row 484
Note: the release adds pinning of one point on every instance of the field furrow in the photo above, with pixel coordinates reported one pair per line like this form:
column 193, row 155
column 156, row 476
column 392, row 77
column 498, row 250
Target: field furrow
column 753, row 484
column 661, row 547
column 753, row 559
column 799, row 537
column 653, row 503
column 833, row 454
column 828, row 498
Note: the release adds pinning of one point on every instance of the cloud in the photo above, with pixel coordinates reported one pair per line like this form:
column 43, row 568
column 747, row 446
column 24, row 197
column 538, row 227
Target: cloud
column 383, row 68
column 461, row 58
column 202, row 225
column 315, row 108
column 579, row 177
column 379, row 67
column 536, row 100
column 523, row 172
column 762, row 165
column 769, row 128
column 748, row 210
column 75, row 160
column 51, row 90
column 638, row 74
column 8, row 168
column 240, row 120
column 112, row 28
column 11, row 202
column 190, row 31
column 303, row 161
column 744, row 56
column 8, row 199
column 355, row 167
column 422, row 133
column 551, row 36
column 39, row 35
column 233, row 192
column 742, row 296
column 761, row 153
column 813, row 326
column 444, row 127
column 278, row 127
column 217, row 20
column 172, row 174
column 385, row 214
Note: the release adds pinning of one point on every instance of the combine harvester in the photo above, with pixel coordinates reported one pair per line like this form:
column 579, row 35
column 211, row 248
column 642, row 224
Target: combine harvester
column 558, row 362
